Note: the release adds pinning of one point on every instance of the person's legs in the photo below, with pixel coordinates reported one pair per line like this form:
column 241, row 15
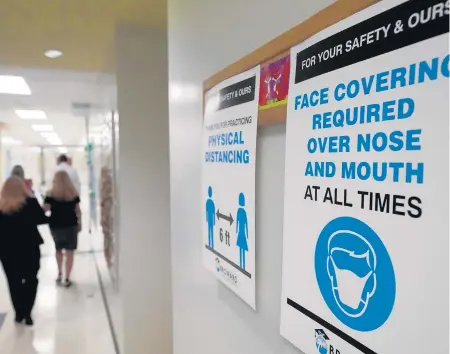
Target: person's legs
column 30, row 291
column 59, row 261
column 69, row 265
column 71, row 237
column 243, row 259
column 57, row 238
column 15, row 286
column 30, row 284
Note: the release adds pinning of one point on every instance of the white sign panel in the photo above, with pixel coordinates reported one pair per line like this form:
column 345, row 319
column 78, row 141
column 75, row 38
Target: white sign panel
column 366, row 250
column 228, row 207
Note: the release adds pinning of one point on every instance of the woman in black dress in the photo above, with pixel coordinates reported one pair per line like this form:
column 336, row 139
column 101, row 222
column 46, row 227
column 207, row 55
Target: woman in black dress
column 65, row 222
column 20, row 214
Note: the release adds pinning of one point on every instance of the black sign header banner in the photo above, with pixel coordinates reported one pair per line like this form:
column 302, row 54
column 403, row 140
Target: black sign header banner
column 238, row 93
column 406, row 24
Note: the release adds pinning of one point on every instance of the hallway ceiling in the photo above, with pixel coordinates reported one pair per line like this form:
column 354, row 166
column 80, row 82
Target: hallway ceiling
column 55, row 92
column 82, row 29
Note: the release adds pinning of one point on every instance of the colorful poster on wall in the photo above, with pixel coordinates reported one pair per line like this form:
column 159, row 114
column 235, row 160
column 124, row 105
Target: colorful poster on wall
column 228, row 192
column 366, row 246
column 274, row 83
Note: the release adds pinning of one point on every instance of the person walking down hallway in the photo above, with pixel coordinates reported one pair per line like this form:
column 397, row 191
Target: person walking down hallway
column 18, row 171
column 65, row 164
column 20, row 214
column 65, row 221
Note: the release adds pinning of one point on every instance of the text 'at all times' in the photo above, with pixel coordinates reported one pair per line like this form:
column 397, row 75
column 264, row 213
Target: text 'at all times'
column 379, row 202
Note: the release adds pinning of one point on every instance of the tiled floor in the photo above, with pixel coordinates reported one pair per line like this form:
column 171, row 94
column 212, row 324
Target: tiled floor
column 67, row 321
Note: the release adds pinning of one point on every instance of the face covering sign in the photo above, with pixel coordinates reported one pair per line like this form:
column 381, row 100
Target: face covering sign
column 365, row 252
column 228, row 203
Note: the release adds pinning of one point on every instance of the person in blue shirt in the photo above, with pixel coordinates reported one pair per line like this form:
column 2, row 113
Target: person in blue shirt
column 210, row 218
column 242, row 230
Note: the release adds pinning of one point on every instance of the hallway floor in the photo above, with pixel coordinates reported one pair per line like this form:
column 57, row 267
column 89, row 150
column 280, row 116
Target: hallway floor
column 67, row 321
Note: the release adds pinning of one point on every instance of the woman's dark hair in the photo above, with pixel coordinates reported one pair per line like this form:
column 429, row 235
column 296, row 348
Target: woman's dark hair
column 62, row 158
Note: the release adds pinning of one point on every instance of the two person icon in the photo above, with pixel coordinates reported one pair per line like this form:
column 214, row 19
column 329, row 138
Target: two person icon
column 241, row 225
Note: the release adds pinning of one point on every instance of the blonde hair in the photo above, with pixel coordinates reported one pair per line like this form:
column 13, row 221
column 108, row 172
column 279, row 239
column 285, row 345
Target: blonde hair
column 13, row 195
column 63, row 188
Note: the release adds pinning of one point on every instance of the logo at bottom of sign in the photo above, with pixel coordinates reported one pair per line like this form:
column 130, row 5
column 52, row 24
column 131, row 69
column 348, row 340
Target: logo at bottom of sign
column 226, row 273
column 324, row 345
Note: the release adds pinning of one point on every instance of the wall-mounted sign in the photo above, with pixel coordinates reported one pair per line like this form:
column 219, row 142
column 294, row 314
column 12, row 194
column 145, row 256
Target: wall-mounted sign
column 274, row 83
column 228, row 193
column 366, row 246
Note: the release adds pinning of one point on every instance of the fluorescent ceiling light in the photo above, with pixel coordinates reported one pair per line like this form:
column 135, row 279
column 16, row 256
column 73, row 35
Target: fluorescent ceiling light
column 52, row 138
column 30, row 114
column 14, row 85
column 7, row 140
column 42, row 127
column 53, row 53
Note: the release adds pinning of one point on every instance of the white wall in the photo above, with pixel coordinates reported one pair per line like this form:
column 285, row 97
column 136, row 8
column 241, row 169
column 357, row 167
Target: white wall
column 28, row 158
column 144, row 267
column 204, row 37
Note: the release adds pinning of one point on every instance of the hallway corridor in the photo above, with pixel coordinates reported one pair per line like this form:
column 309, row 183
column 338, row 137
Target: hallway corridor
column 67, row 321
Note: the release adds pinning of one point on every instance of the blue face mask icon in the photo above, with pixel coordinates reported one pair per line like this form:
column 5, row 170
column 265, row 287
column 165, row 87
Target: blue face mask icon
column 352, row 275
column 355, row 274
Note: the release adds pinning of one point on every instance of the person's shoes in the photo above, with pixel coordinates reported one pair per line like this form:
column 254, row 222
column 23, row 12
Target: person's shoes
column 67, row 283
column 59, row 279
column 29, row 321
column 18, row 319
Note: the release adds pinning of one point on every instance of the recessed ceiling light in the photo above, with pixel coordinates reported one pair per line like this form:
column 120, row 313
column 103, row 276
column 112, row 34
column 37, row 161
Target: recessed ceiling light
column 42, row 127
column 14, row 85
column 30, row 114
column 53, row 53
